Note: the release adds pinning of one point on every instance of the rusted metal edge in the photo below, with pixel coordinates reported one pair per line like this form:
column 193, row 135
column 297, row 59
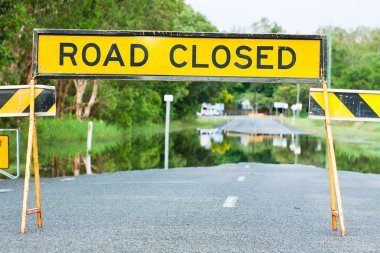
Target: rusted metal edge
column 181, row 78
column 33, row 211
column 88, row 32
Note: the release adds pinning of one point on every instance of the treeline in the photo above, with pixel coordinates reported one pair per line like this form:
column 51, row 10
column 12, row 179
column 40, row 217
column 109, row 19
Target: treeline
column 356, row 59
column 355, row 65
column 118, row 102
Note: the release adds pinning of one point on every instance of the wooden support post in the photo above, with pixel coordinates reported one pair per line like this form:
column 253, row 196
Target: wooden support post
column 37, row 176
column 32, row 147
column 335, row 195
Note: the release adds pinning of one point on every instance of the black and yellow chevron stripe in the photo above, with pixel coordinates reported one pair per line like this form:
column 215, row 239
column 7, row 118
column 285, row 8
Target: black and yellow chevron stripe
column 353, row 105
column 14, row 100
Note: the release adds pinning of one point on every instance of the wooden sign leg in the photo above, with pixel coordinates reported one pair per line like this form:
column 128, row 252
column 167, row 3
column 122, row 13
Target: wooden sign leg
column 332, row 188
column 32, row 146
column 333, row 173
column 37, row 177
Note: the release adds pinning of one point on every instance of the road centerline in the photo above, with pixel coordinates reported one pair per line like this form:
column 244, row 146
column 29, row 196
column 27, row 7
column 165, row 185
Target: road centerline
column 230, row 201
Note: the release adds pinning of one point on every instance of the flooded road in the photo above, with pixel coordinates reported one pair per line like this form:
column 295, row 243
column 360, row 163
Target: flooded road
column 195, row 148
column 231, row 142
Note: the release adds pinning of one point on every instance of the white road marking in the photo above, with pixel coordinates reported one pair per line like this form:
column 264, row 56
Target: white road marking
column 241, row 179
column 230, row 201
column 5, row 190
column 68, row 179
column 246, row 166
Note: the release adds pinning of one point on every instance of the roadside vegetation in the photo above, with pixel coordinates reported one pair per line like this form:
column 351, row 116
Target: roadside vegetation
column 357, row 143
column 132, row 108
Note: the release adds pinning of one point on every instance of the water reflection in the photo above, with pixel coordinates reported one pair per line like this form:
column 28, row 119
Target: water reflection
column 205, row 147
column 208, row 136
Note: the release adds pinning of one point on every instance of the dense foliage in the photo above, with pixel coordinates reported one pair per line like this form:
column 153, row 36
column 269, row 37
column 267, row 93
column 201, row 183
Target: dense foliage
column 355, row 54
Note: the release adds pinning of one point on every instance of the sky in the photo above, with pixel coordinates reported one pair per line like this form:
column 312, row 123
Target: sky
column 295, row 16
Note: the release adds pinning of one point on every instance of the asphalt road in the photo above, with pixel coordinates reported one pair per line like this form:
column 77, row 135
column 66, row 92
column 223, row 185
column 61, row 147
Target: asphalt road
column 258, row 125
column 228, row 208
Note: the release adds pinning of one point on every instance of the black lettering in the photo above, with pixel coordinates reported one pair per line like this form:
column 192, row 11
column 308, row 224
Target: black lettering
column 228, row 56
column 280, row 63
column 243, row 56
column 172, row 61
column 143, row 48
column 71, row 55
column 263, row 56
column 84, row 57
column 194, row 59
column 109, row 57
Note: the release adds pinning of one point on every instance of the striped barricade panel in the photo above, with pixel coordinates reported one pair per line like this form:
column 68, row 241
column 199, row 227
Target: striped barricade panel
column 15, row 102
column 352, row 105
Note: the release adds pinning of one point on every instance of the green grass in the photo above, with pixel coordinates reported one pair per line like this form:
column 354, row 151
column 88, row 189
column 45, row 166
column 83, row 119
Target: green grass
column 72, row 130
column 68, row 137
column 175, row 126
column 353, row 138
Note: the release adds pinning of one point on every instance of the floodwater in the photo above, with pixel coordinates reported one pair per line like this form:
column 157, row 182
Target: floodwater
column 208, row 147
column 202, row 148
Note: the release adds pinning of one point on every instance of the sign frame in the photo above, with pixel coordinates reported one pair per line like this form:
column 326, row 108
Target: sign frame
column 2, row 171
column 7, row 149
column 127, row 33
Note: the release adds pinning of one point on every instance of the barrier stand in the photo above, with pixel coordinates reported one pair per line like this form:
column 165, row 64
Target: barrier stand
column 333, row 174
column 32, row 147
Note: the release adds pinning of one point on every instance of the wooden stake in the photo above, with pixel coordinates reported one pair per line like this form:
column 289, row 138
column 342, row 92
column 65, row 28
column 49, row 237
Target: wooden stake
column 32, row 146
column 333, row 173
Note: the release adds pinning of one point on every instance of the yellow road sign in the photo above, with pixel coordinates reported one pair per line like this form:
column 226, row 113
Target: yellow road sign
column 352, row 105
column 179, row 56
column 14, row 100
column 4, row 152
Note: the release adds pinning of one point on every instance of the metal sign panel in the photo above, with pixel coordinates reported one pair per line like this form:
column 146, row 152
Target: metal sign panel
column 352, row 105
column 280, row 105
column 267, row 58
column 4, row 152
column 14, row 100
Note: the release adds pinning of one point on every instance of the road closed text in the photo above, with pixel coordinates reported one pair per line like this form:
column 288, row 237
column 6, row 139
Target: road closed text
column 178, row 56
column 243, row 53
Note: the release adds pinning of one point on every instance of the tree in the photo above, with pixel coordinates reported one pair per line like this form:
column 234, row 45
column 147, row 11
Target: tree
column 264, row 25
column 355, row 60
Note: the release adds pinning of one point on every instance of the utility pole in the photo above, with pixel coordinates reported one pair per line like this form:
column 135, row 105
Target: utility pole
column 329, row 56
column 329, row 61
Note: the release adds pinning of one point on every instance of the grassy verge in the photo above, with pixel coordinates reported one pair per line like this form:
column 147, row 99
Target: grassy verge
column 69, row 137
column 65, row 138
column 339, row 128
column 353, row 138
column 176, row 126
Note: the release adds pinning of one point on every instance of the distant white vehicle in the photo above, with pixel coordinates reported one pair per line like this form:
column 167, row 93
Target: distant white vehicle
column 208, row 109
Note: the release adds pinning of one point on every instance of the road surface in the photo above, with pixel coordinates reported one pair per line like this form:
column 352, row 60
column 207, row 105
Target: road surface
column 258, row 125
column 229, row 208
